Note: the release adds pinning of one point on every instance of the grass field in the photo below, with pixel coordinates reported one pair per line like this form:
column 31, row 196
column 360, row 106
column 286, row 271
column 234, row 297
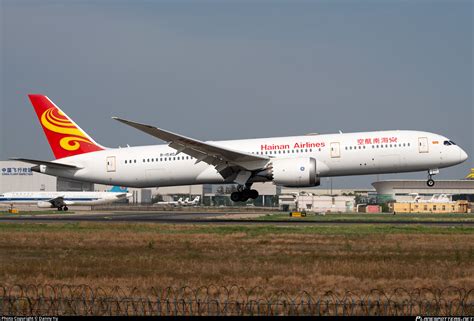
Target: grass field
column 313, row 258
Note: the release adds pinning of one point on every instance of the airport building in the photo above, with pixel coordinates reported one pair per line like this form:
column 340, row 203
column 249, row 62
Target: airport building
column 17, row 177
column 403, row 190
column 317, row 203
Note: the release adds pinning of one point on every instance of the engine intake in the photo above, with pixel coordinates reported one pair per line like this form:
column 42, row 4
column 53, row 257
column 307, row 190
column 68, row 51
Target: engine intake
column 293, row 172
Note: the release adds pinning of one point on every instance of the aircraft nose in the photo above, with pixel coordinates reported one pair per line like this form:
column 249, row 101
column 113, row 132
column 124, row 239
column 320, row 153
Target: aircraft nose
column 463, row 155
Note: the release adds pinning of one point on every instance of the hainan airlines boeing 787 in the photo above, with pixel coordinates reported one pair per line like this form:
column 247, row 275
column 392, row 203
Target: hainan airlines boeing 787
column 297, row 161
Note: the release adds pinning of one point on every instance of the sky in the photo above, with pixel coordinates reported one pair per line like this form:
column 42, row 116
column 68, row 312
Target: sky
column 217, row 70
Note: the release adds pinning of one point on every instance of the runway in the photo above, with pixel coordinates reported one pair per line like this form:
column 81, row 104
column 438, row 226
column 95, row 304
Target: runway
column 208, row 218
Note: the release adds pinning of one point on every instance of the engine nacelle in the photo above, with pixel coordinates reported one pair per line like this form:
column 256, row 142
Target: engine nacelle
column 42, row 204
column 294, row 172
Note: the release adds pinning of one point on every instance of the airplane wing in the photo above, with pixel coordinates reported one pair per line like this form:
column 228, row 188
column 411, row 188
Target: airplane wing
column 227, row 161
column 47, row 163
column 57, row 201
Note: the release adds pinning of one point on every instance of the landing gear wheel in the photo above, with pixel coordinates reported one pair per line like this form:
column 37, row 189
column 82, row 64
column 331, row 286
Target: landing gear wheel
column 244, row 198
column 253, row 194
column 235, row 196
column 430, row 182
column 65, row 208
column 60, row 208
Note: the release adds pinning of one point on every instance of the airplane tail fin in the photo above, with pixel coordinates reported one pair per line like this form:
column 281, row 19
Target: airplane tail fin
column 119, row 189
column 65, row 137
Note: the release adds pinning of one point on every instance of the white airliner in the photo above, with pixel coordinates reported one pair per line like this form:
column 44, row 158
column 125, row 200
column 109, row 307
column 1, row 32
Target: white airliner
column 179, row 202
column 61, row 200
column 297, row 161
column 194, row 202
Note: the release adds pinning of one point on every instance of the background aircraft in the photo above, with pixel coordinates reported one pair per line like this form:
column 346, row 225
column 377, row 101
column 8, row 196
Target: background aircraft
column 179, row 202
column 194, row 202
column 61, row 200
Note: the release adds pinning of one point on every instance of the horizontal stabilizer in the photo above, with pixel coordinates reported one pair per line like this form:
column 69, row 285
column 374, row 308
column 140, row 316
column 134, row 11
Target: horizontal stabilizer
column 47, row 163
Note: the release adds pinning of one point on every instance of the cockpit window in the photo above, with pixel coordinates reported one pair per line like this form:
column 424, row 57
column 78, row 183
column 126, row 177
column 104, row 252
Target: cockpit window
column 447, row 143
column 452, row 143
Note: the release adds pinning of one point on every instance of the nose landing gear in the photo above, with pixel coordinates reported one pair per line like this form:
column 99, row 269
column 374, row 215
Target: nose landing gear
column 244, row 194
column 430, row 182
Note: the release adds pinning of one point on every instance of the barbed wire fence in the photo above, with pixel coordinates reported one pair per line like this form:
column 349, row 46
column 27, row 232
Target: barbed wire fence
column 59, row 300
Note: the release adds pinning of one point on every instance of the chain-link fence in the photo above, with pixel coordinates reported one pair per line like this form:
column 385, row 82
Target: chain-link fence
column 233, row 300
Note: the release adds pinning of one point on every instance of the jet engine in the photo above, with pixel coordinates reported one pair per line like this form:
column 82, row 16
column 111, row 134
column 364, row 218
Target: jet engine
column 292, row 172
column 42, row 204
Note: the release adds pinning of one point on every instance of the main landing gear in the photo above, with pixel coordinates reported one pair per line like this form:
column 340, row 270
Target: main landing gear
column 63, row 208
column 244, row 194
column 430, row 182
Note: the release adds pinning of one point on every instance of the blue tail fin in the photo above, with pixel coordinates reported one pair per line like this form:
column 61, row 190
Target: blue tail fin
column 119, row 189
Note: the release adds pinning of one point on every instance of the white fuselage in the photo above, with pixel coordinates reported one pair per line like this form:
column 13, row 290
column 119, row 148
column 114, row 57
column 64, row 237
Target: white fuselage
column 342, row 154
column 70, row 198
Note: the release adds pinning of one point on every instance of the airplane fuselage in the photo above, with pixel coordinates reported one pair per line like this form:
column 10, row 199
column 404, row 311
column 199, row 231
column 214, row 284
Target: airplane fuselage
column 362, row 153
column 69, row 198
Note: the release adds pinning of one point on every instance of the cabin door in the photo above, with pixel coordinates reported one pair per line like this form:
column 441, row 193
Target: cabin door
column 335, row 150
column 423, row 145
column 111, row 164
